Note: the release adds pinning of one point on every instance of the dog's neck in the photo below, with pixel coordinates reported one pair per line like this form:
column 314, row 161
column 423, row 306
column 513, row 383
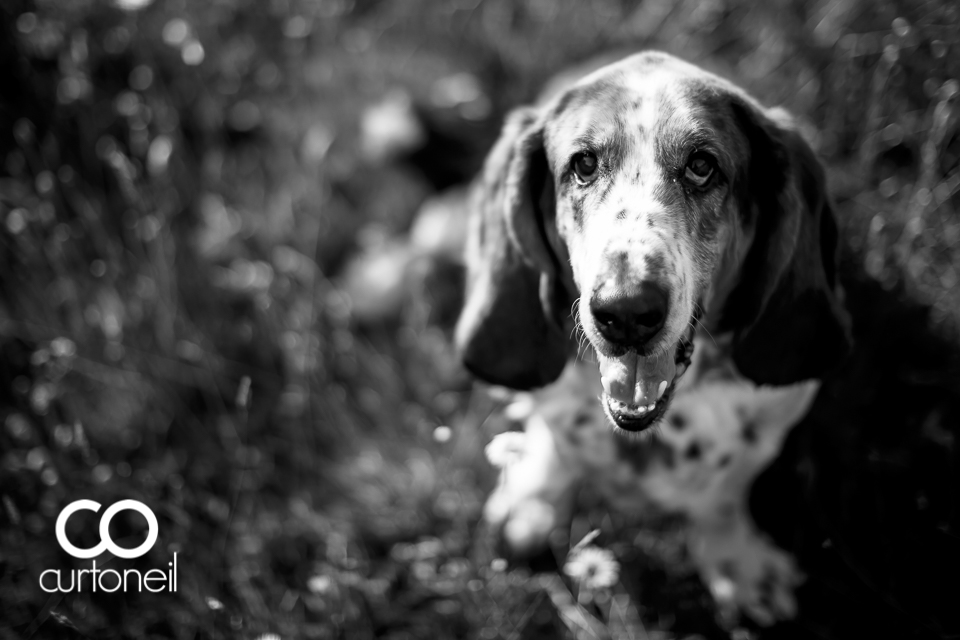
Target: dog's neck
column 712, row 360
column 712, row 365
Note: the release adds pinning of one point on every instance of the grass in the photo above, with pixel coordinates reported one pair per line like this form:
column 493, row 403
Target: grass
column 183, row 188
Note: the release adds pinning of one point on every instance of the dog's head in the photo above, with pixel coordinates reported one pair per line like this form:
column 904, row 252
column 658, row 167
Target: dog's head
column 655, row 198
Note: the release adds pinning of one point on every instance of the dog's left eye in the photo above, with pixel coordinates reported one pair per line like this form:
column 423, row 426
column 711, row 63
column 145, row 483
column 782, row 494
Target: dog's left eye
column 700, row 168
column 585, row 166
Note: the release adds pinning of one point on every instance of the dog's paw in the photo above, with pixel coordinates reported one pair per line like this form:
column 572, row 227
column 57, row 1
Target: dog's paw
column 535, row 491
column 746, row 573
column 565, row 438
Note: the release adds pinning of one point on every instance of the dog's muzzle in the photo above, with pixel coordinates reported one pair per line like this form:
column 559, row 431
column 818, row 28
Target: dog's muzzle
column 637, row 390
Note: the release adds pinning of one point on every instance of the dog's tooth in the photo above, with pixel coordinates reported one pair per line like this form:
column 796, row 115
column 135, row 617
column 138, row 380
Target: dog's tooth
column 661, row 389
column 630, row 410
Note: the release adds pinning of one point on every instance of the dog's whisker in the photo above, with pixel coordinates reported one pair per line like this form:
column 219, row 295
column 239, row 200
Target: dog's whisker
column 698, row 311
column 578, row 332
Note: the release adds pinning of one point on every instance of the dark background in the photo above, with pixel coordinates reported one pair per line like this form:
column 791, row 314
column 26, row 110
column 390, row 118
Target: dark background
column 209, row 302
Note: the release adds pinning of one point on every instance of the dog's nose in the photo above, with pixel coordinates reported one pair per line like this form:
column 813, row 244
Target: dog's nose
column 632, row 319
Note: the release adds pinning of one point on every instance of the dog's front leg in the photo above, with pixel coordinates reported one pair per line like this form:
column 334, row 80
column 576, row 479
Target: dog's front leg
column 743, row 569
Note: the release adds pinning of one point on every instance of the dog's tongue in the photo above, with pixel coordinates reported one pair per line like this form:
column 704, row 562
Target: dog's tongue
column 636, row 380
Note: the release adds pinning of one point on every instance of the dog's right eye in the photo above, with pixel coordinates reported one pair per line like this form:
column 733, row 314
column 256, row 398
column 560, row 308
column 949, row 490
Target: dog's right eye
column 585, row 166
column 700, row 168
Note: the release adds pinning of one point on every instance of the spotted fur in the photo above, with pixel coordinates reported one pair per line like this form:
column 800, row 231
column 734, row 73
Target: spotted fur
column 698, row 463
column 748, row 260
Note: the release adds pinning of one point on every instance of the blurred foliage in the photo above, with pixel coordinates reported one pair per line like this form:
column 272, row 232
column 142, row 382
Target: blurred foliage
column 183, row 182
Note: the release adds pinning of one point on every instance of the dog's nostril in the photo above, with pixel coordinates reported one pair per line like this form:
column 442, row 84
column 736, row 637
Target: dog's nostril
column 652, row 318
column 611, row 326
column 631, row 320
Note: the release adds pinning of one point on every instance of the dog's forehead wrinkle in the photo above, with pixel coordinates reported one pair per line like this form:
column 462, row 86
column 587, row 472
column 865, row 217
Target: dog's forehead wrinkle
column 595, row 121
column 617, row 103
column 686, row 124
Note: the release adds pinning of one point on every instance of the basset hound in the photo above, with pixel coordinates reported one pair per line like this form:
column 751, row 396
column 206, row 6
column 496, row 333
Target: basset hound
column 658, row 218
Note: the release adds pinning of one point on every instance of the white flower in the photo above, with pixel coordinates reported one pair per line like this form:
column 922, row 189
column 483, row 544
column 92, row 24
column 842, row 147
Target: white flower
column 520, row 409
column 593, row 568
column 319, row 584
column 506, row 448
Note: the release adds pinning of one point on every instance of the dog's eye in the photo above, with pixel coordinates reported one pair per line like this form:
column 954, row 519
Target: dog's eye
column 700, row 168
column 585, row 166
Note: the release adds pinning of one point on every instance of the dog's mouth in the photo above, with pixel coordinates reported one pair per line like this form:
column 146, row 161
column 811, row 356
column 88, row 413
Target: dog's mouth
column 637, row 389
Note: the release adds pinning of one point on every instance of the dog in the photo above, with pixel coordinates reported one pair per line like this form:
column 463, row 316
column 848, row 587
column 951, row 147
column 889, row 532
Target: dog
column 717, row 434
column 656, row 216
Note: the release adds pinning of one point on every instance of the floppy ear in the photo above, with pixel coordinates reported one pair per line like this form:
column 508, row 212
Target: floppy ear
column 786, row 313
column 510, row 331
